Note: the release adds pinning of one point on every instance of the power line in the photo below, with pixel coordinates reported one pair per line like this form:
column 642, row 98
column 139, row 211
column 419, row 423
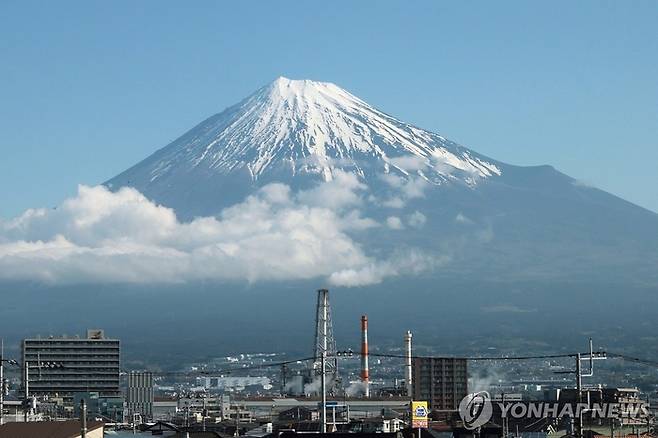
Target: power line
column 634, row 359
column 488, row 358
column 350, row 353
column 473, row 358
column 231, row 369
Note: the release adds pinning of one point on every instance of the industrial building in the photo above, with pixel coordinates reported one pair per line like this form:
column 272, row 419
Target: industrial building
column 233, row 382
column 442, row 381
column 66, row 365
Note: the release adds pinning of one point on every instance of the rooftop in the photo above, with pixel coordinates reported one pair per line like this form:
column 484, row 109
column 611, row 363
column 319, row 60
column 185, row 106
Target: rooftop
column 46, row 429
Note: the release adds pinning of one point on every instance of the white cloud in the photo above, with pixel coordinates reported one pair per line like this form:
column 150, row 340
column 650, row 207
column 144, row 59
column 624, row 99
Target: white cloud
column 394, row 223
column 462, row 219
column 506, row 308
column 104, row 236
column 409, row 187
column 439, row 164
column 101, row 235
column 395, row 202
column 486, row 234
column 413, row 262
column 416, row 219
column 340, row 192
column 403, row 188
column 583, row 183
column 370, row 274
column 409, row 163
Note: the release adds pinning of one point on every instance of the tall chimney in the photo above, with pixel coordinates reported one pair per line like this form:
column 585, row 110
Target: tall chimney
column 365, row 372
column 408, row 370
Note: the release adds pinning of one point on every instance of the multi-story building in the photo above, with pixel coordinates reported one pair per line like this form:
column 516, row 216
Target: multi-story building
column 67, row 365
column 442, row 381
column 139, row 396
column 234, row 382
column 213, row 406
column 164, row 408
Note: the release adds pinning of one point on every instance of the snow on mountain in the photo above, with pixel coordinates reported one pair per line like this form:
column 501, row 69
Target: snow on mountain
column 420, row 190
column 307, row 127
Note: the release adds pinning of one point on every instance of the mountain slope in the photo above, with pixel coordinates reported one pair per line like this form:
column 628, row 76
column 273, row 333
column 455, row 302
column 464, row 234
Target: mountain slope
column 298, row 129
column 487, row 217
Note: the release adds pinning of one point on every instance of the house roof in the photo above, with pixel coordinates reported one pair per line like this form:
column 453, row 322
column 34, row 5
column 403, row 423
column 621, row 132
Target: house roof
column 295, row 408
column 46, row 429
column 197, row 434
column 377, row 419
column 158, row 426
column 290, row 434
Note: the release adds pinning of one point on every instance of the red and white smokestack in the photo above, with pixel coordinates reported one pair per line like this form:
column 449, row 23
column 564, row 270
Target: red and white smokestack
column 365, row 372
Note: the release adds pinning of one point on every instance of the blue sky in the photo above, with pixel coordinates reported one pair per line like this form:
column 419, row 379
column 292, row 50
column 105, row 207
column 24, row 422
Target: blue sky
column 88, row 88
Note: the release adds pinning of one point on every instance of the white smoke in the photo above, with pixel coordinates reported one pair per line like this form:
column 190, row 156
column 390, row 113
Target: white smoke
column 485, row 380
column 294, row 386
column 314, row 387
column 356, row 389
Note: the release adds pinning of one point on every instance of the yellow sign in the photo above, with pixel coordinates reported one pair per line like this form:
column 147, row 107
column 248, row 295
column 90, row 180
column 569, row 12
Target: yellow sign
column 419, row 414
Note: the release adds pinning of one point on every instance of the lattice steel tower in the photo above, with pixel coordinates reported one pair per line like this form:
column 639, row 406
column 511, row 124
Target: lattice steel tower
column 325, row 342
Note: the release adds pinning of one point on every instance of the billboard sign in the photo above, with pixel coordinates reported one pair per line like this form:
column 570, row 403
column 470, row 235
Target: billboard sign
column 419, row 414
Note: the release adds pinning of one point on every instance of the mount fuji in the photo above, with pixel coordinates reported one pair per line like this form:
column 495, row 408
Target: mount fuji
column 292, row 131
column 488, row 219
column 303, row 185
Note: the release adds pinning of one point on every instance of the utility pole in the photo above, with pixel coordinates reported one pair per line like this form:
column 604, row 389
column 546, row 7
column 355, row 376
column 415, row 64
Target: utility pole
column 26, row 386
column 505, row 419
column 83, row 418
column 648, row 416
column 579, row 387
column 590, row 357
column 2, row 379
column 237, row 420
column 204, row 412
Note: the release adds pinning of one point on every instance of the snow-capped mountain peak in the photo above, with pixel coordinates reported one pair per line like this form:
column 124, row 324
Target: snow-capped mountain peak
column 309, row 127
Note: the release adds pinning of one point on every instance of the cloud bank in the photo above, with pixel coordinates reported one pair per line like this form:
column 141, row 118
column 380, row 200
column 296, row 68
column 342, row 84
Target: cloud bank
column 105, row 236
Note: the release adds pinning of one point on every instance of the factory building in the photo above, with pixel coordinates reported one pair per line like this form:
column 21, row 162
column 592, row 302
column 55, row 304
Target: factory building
column 443, row 382
column 67, row 365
